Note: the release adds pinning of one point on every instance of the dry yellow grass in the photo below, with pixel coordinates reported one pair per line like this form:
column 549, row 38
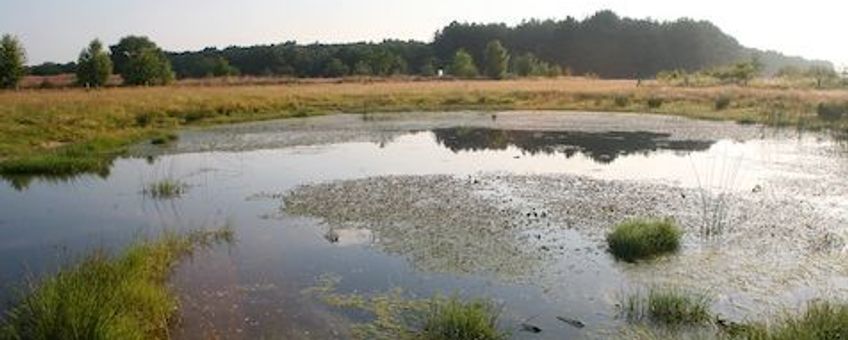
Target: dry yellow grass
column 33, row 122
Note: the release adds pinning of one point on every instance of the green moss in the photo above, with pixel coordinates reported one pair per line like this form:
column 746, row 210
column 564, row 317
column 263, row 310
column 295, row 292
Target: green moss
column 644, row 238
column 108, row 297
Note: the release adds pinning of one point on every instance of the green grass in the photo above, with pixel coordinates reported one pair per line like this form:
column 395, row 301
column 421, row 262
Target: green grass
column 108, row 297
column 670, row 307
column 644, row 238
column 454, row 319
column 820, row 321
column 94, row 156
column 166, row 189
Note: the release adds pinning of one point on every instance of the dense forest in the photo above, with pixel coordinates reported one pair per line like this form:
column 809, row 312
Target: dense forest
column 604, row 44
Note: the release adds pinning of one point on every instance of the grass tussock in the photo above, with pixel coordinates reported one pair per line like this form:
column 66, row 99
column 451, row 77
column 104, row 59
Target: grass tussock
column 670, row 307
column 820, row 321
column 644, row 238
column 166, row 189
column 108, row 297
column 454, row 319
column 722, row 102
column 655, row 102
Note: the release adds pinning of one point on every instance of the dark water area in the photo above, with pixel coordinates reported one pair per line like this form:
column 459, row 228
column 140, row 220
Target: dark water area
column 404, row 202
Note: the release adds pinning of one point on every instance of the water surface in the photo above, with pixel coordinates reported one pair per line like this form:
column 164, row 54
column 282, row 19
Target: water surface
column 511, row 206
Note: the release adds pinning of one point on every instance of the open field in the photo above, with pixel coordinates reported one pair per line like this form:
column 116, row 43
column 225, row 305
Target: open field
column 75, row 130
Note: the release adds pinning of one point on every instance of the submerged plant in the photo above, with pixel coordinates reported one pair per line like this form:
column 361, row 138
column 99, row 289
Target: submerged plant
column 166, row 189
column 108, row 297
column 398, row 317
column 644, row 238
column 670, row 307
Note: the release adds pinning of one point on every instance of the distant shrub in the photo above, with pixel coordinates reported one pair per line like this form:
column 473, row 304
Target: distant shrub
column 458, row 320
column 832, row 111
column 164, row 139
column 722, row 102
column 644, row 238
column 150, row 118
column 621, row 101
column 655, row 102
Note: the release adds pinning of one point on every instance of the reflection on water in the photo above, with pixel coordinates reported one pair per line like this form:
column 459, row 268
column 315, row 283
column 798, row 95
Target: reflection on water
column 21, row 182
column 602, row 147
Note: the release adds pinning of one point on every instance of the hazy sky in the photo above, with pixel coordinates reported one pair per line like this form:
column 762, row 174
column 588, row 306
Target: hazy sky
column 56, row 30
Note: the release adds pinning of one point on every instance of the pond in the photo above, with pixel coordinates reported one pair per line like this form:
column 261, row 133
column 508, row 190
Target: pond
column 512, row 206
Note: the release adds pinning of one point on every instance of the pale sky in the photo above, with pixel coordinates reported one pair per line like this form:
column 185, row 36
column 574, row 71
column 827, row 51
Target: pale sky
column 56, row 30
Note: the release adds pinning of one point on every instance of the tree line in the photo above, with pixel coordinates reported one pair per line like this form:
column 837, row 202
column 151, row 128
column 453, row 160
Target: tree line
column 603, row 44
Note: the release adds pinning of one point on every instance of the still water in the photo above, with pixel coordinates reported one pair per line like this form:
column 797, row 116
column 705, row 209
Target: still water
column 510, row 206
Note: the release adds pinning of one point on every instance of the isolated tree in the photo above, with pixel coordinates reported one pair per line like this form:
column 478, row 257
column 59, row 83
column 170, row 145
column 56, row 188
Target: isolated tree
column 524, row 65
column 497, row 60
column 12, row 59
column 463, row 65
column 140, row 62
column 148, row 67
column 94, row 66
column 126, row 48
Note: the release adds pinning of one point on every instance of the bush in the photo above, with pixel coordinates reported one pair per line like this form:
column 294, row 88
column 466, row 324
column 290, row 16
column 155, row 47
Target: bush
column 453, row 319
column 669, row 307
column 639, row 239
column 832, row 111
column 621, row 101
column 655, row 102
column 722, row 102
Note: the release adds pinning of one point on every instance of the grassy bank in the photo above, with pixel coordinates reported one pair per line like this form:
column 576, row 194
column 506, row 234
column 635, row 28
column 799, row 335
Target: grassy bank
column 108, row 297
column 68, row 131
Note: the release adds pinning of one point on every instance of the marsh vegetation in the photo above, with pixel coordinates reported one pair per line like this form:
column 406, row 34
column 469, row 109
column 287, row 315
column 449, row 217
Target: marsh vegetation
column 105, row 296
column 644, row 238
column 668, row 307
column 168, row 188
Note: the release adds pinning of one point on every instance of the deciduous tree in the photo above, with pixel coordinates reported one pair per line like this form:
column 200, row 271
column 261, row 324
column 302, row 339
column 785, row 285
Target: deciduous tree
column 12, row 59
column 463, row 65
column 93, row 66
column 497, row 60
